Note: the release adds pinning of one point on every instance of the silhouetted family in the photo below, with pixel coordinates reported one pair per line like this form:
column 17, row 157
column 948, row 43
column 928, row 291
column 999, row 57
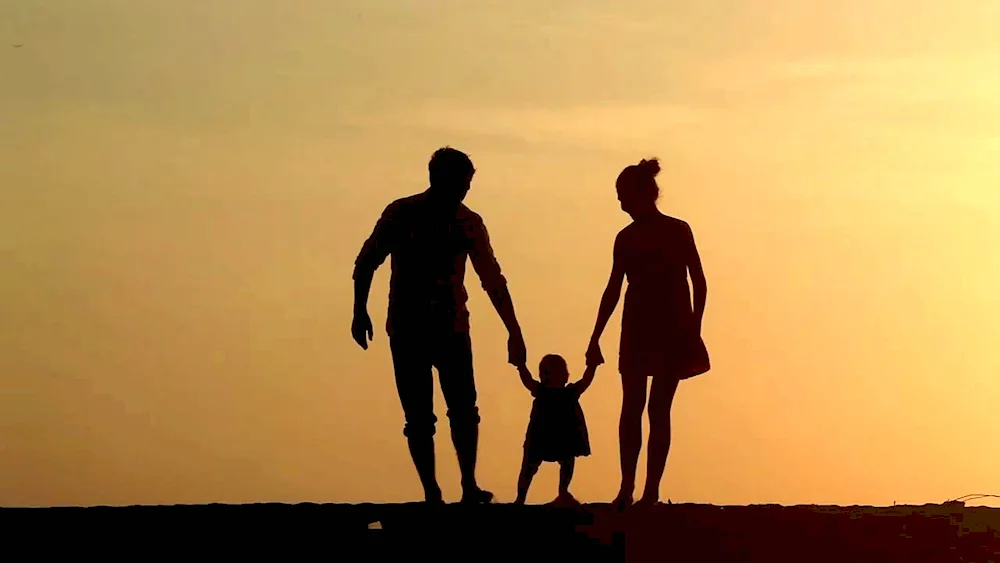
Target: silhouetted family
column 431, row 235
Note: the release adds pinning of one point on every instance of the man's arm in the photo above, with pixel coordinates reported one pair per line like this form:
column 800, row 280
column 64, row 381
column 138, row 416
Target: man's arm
column 494, row 283
column 373, row 253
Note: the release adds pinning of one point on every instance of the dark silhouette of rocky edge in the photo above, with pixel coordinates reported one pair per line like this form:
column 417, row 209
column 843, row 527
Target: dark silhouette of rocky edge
column 594, row 532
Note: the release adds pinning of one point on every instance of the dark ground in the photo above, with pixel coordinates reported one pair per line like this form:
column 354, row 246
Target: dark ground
column 505, row 532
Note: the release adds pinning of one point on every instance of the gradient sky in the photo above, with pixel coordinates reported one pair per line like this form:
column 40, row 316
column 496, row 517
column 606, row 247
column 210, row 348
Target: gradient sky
column 184, row 186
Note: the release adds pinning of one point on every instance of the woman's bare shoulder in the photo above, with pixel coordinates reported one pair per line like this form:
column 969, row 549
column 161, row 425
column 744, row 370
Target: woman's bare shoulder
column 622, row 234
column 625, row 236
column 676, row 222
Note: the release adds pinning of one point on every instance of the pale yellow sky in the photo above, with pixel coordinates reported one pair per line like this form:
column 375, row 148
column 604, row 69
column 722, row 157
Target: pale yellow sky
column 185, row 185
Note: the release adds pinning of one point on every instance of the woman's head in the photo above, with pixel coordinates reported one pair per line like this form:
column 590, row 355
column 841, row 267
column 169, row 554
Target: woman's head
column 552, row 371
column 637, row 188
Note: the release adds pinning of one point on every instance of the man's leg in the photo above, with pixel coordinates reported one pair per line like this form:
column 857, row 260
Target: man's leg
column 458, row 385
column 415, row 385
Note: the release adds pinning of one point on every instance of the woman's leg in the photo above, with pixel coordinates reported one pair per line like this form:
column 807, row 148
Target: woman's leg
column 661, row 399
column 630, row 432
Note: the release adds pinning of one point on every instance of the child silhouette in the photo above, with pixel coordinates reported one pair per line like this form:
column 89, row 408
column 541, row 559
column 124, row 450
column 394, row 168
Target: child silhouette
column 557, row 429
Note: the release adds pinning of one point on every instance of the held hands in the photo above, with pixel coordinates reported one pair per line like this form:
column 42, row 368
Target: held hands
column 517, row 354
column 361, row 329
column 594, row 356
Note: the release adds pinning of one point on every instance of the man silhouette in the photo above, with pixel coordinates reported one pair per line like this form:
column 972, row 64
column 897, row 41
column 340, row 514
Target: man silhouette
column 429, row 236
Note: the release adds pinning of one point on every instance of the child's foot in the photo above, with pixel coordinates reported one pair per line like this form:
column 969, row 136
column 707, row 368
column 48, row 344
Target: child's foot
column 477, row 496
column 566, row 500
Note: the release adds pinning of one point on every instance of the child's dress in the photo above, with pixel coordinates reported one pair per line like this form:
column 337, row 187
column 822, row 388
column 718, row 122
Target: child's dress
column 557, row 429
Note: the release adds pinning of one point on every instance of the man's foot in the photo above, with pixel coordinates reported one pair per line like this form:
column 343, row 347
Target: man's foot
column 477, row 496
column 519, row 501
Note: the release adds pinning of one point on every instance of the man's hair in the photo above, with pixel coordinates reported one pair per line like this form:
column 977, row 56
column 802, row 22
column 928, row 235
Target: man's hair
column 449, row 165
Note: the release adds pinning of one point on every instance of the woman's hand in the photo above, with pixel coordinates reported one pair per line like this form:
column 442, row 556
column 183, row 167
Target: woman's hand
column 594, row 356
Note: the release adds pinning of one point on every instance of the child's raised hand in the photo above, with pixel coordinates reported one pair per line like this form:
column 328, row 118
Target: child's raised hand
column 526, row 379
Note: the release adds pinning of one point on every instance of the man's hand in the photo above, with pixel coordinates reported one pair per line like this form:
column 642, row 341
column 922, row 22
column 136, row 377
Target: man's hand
column 361, row 329
column 594, row 355
column 517, row 355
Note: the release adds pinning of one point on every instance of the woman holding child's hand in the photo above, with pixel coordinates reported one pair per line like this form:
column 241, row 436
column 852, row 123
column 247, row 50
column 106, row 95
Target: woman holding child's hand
column 661, row 330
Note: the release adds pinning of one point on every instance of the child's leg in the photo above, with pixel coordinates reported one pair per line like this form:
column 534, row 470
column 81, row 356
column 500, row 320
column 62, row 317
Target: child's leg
column 566, row 475
column 529, row 467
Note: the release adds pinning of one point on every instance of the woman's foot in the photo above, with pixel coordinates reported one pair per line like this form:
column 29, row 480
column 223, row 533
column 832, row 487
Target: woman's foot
column 433, row 497
column 646, row 502
column 622, row 501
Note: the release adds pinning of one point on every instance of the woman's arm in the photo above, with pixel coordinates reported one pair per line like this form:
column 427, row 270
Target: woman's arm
column 699, row 285
column 612, row 293
column 529, row 382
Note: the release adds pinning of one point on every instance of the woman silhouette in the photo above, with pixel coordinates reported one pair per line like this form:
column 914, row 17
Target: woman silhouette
column 661, row 331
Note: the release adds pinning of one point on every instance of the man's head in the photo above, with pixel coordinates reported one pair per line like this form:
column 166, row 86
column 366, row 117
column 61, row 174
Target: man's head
column 451, row 173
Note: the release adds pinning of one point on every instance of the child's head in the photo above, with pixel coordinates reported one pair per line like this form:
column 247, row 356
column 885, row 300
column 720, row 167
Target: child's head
column 552, row 371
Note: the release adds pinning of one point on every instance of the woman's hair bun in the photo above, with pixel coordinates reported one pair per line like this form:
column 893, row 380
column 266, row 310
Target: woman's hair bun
column 650, row 167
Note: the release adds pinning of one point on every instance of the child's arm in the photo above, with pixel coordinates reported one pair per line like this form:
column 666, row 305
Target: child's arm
column 586, row 380
column 529, row 382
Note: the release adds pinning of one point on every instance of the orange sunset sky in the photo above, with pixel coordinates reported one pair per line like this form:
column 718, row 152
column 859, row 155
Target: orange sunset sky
column 184, row 186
